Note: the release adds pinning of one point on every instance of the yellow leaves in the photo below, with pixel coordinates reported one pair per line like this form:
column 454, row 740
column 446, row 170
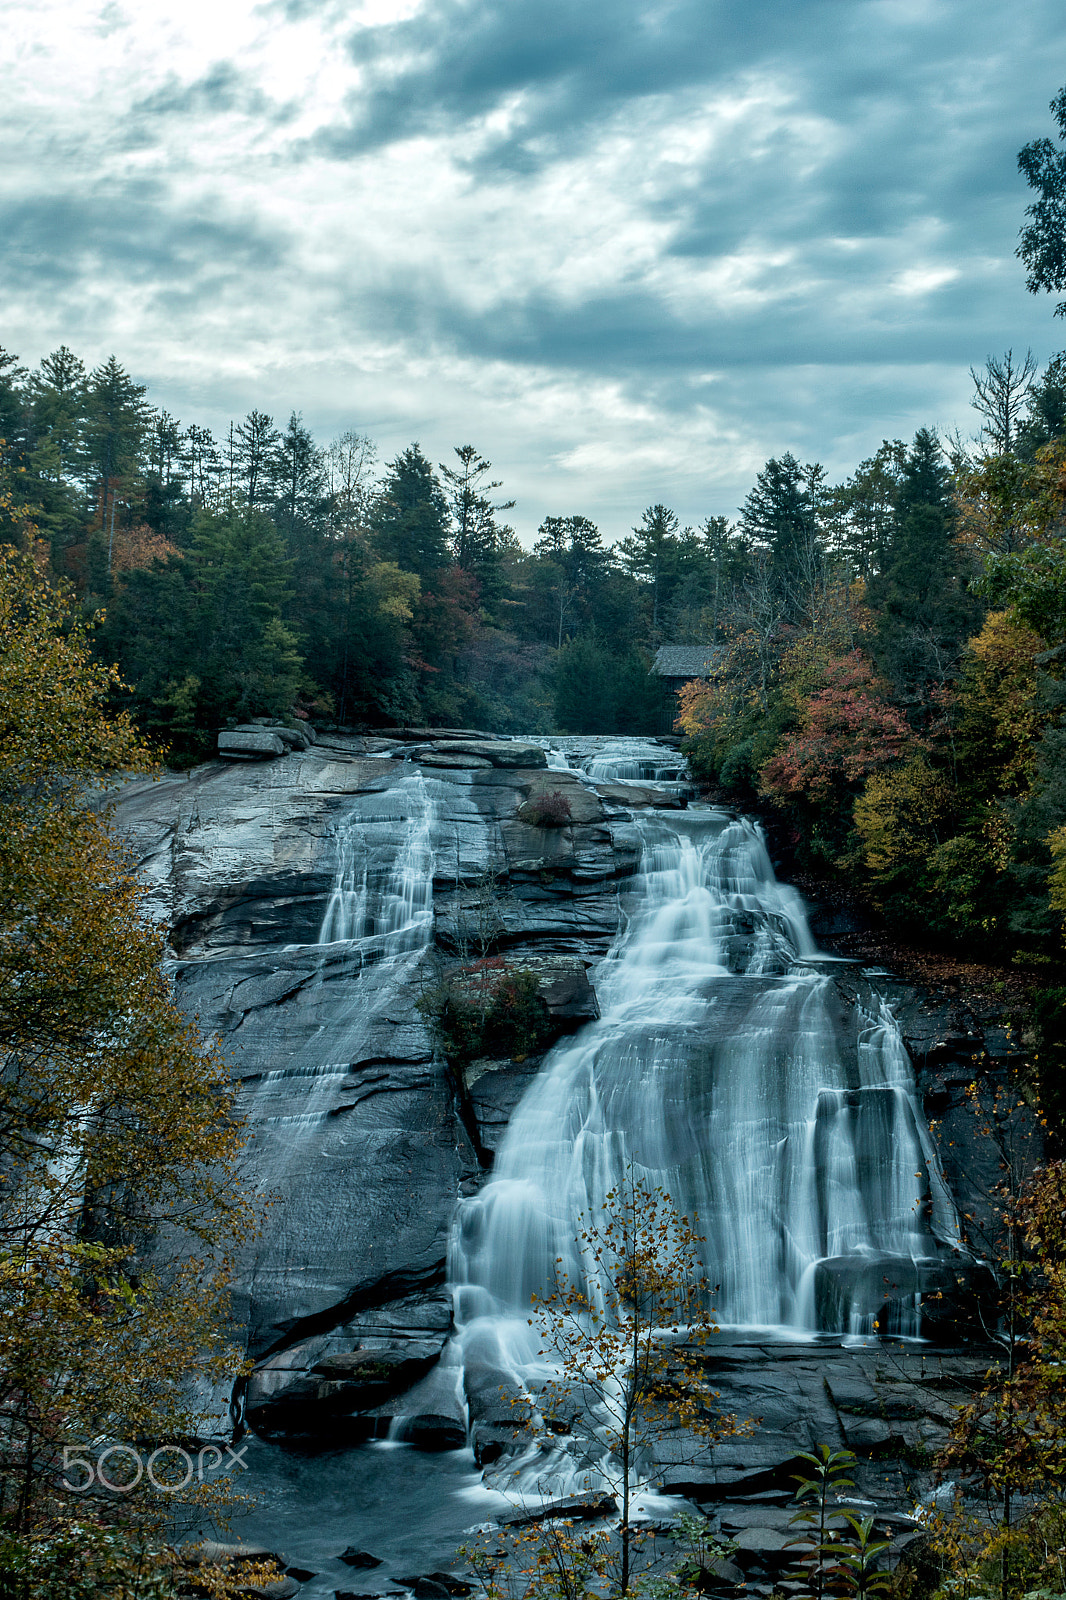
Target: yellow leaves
column 1057, row 876
column 625, row 1341
column 395, row 591
column 999, row 720
column 54, row 722
column 115, row 1120
column 900, row 814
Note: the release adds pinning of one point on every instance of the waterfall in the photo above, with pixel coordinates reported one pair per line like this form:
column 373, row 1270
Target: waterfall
column 398, row 916
column 634, row 761
column 606, row 758
column 379, row 915
column 728, row 1070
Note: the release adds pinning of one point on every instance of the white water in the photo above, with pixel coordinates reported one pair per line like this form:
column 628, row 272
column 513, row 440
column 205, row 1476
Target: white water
column 397, row 917
column 610, row 759
column 727, row 1070
column 379, row 913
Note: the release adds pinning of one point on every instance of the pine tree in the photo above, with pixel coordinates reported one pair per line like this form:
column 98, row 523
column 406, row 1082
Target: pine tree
column 58, row 396
column 926, row 612
column 247, row 660
column 252, row 446
column 477, row 538
column 651, row 554
column 117, row 421
column 573, row 551
column 166, row 501
column 781, row 514
column 301, row 513
column 860, row 512
column 410, row 515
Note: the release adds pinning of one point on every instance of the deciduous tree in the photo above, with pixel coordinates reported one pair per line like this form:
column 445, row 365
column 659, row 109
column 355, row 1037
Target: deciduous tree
column 626, row 1337
column 115, row 1119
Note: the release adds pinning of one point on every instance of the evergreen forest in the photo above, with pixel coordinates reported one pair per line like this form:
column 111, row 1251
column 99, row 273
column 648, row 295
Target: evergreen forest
column 883, row 656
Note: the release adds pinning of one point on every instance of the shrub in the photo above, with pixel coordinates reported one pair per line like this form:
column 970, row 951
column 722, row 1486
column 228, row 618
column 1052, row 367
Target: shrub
column 551, row 809
column 486, row 1009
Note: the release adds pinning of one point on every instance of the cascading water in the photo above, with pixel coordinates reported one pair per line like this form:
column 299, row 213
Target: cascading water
column 608, row 759
column 379, row 913
column 726, row 1068
column 398, row 916
column 633, row 761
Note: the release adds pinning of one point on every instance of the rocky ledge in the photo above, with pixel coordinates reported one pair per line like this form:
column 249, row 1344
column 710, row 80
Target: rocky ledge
column 363, row 1137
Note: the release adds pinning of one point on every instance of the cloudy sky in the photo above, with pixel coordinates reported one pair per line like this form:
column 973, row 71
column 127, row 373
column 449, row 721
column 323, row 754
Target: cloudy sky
column 628, row 248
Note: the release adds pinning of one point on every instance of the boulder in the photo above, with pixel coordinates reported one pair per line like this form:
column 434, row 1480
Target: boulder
column 635, row 794
column 430, row 1416
column 720, row 1574
column 432, row 1430
column 397, row 1366
column 499, row 753
column 286, row 1397
column 421, row 735
column 206, row 1552
column 580, row 1507
column 767, row 1547
column 448, row 1581
column 570, row 999
column 436, row 757
column 584, row 806
column 359, row 1558
column 250, row 744
column 294, row 738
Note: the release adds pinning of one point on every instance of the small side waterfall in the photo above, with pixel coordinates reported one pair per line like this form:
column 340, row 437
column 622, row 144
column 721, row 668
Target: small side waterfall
column 726, row 1067
column 379, row 914
column 393, row 914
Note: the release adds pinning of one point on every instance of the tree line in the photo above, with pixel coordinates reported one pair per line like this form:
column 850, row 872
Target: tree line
column 887, row 671
column 246, row 575
column 884, row 654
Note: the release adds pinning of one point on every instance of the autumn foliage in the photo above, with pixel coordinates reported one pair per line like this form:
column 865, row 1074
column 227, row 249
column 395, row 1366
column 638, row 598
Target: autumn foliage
column 626, row 1339
column 847, row 730
column 115, row 1117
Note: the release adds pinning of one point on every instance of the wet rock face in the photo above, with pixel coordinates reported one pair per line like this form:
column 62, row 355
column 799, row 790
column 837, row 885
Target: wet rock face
column 963, row 1056
column 360, row 1132
column 357, row 1130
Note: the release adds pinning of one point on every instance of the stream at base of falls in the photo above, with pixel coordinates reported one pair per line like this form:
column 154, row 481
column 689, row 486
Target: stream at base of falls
column 725, row 1069
column 408, row 1508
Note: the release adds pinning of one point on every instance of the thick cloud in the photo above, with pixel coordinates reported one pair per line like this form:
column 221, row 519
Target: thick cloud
column 630, row 248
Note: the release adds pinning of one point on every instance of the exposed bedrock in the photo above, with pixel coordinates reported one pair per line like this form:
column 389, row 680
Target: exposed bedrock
column 312, row 902
column 358, row 1135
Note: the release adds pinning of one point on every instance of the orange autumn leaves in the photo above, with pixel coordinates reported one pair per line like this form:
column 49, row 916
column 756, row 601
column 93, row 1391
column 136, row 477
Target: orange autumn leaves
column 847, row 730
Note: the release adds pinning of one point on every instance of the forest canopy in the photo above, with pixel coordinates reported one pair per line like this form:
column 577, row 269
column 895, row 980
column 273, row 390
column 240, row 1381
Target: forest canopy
column 883, row 655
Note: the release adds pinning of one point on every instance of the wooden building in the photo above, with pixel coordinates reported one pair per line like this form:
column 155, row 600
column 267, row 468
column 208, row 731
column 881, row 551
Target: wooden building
column 677, row 664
